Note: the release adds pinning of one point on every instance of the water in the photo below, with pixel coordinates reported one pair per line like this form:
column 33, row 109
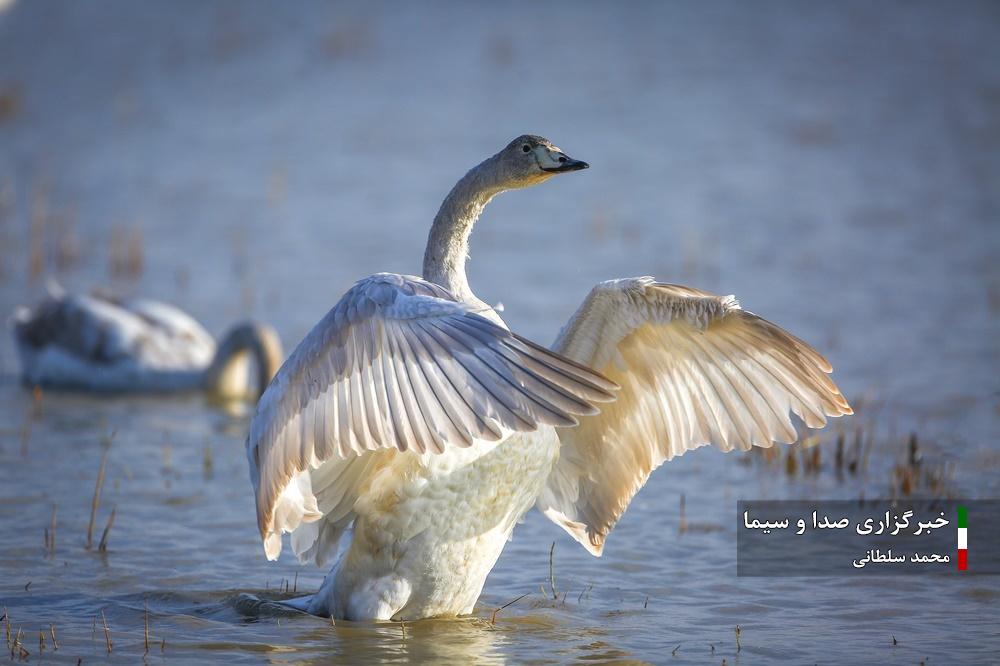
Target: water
column 834, row 166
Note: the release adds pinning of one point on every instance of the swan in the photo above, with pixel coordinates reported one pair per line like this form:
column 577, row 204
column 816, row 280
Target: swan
column 97, row 343
column 414, row 421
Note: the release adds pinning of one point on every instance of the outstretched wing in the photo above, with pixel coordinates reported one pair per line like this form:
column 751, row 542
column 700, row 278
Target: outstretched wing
column 397, row 364
column 694, row 369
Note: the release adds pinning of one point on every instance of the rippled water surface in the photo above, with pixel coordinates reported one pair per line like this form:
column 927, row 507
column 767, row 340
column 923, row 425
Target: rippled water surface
column 834, row 166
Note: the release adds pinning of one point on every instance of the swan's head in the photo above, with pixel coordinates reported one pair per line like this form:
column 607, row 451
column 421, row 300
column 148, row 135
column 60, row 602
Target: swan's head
column 229, row 377
column 529, row 160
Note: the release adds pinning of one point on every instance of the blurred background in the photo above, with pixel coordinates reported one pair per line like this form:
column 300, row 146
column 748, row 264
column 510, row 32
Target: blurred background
column 834, row 165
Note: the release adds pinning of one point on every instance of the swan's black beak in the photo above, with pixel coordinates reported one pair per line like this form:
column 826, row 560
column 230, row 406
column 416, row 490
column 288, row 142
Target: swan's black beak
column 566, row 163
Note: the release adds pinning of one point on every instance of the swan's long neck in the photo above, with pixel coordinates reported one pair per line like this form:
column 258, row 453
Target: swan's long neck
column 227, row 375
column 448, row 241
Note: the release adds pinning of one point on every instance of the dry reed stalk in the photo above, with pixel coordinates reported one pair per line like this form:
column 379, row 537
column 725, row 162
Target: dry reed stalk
column 29, row 418
column 107, row 633
column 682, row 524
column 67, row 246
column 493, row 618
column 103, row 546
column 852, row 465
column 96, row 501
column 207, row 462
column 552, row 573
column 52, row 532
column 791, row 463
column 36, row 232
column 125, row 253
column 869, row 445
column 18, row 648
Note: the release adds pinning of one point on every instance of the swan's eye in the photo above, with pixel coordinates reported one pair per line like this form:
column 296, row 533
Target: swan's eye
column 562, row 159
column 525, row 148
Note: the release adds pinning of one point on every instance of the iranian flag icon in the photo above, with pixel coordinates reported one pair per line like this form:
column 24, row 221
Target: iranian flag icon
column 963, row 539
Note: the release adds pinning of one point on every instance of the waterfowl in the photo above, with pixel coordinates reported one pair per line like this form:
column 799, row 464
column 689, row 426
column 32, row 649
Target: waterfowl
column 91, row 342
column 414, row 416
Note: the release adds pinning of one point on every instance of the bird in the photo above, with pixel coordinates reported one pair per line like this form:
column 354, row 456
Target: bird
column 413, row 425
column 97, row 343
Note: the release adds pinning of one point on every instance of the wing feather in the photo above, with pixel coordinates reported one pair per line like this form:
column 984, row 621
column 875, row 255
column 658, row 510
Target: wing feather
column 694, row 369
column 397, row 365
column 477, row 417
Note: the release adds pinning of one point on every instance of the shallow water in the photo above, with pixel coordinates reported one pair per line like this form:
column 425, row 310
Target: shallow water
column 836, row 168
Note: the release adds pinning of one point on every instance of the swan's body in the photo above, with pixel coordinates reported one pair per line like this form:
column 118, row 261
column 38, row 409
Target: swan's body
column 430, row 530
column 413, row 413
column 93, row 343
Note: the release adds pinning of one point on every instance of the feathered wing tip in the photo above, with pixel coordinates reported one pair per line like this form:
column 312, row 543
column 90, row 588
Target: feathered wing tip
column 272, row 545
column 294, row 509
column 585, row 536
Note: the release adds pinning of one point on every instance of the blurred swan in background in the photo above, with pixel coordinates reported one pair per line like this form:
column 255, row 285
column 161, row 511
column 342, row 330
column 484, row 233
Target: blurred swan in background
column 414, row 414
column 97, row 343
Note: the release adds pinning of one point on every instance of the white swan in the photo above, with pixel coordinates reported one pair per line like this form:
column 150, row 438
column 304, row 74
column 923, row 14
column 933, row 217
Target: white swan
column 412, row 412
column 95, row 343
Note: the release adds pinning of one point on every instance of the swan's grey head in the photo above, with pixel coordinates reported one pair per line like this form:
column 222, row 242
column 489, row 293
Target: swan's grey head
column 530, row 159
